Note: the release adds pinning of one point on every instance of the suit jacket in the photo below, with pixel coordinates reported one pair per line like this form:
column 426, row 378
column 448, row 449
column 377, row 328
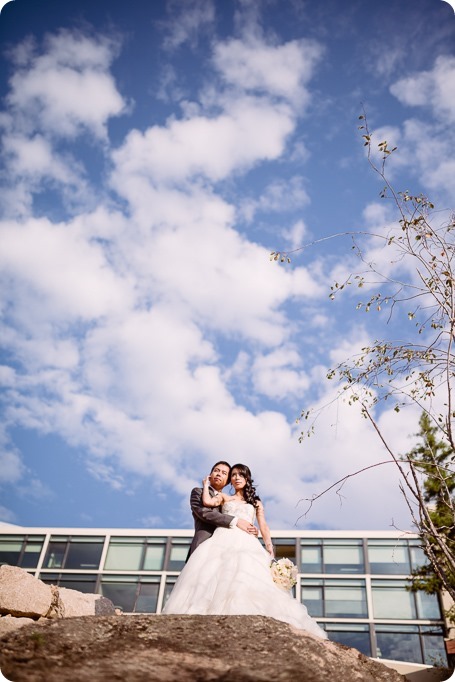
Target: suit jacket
column 206, row 519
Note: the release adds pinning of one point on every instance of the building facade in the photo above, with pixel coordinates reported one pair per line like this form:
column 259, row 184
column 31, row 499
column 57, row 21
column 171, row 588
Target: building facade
column 354, row 583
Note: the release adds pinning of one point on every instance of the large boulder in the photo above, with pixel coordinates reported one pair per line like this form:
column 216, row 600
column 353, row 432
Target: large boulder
column 9, row 623
column 23, row 595
column 84, row 604
column 151, row 648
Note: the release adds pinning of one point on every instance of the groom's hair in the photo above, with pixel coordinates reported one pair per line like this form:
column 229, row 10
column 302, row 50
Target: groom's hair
column 226, row 464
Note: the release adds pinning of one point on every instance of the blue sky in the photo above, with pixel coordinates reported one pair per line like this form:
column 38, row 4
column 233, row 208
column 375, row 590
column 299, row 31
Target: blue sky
column 153, row 154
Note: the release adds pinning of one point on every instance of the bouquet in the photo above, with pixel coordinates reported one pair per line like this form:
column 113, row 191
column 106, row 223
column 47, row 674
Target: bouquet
column 284, row 573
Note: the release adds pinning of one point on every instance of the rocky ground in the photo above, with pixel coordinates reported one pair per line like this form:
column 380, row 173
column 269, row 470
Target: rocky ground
column 179, row 649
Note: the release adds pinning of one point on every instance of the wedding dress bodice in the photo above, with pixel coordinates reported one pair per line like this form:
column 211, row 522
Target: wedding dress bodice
column 242, row 510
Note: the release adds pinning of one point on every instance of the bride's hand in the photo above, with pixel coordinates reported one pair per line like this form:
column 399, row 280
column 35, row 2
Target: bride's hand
column 206, row 480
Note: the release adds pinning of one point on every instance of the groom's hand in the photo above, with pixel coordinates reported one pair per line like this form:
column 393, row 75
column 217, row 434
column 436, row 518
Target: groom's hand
column 247, row 527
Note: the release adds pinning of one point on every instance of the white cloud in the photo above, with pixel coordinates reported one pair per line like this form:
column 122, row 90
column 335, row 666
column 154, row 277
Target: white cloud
column 67, row 89
column 296, row 234
column 34, row 165
column 35, row 157
column 11, row 466
column 250, row 131
column 106, row 474
column 278, row 375
column 279, row 196
column 434, row 89
column 430, row 150
column 7, row 376
column 376, row 215
column 62, row 89
column 350, row 345
column 425, row 144
column 70, row 275
column 187, row 239
column 190, row 19
column 277, row 70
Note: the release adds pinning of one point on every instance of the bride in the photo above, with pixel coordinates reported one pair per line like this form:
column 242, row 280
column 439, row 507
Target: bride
column 229, row 573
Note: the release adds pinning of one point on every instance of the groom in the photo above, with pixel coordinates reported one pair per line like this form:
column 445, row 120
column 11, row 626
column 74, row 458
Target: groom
column 206, row 519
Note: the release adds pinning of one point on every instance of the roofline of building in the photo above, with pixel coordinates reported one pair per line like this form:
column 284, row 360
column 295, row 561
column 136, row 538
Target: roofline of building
column 189, row 532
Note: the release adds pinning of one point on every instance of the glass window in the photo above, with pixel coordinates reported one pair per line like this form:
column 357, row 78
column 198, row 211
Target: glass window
column 345, row 598
column 84, row 553
column 170, row 582
column 343, row 556
column 350, row 634
column 131, row 593
column 284, row 548
column 392, row 600
column 332, row 556
column 154, row 555
column 311, row 556
column 427, row 606
column 418, row 557
column 50, row 578
column 434, row 651
column 335, row 598
column 10, row 550
column 83, row 583
column 55, row 554
column 178, row 554
column 399, row 643
column 75, row 553
column 31, row 554
column 312, row 595
column 120, row 590
column 19, row 550
column 388, row 557
column 147, row 599
column 125, row 554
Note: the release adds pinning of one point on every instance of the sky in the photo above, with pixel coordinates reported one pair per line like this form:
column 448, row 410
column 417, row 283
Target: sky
column 153, row 155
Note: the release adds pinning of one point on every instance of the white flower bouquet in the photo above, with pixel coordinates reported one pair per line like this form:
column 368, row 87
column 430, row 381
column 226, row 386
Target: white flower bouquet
column 284, row 573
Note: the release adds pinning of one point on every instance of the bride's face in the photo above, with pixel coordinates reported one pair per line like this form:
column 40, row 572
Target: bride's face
column 238, row 480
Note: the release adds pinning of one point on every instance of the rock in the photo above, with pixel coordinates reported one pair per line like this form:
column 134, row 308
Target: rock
column 84, row 604
column 21, row 594
column 151, row 648
column 9, row 623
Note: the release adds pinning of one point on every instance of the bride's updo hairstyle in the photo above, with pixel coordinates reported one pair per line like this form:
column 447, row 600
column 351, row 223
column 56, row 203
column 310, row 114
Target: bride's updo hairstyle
column 249, row 491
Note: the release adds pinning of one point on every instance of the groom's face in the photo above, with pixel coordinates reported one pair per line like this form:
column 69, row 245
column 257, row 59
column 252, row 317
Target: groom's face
column 219, row 476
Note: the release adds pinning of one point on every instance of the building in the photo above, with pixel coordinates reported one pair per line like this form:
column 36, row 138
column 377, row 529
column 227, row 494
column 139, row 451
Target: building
column 354, row 583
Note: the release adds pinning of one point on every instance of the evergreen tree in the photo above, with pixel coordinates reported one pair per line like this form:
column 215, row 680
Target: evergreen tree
column 433, row 457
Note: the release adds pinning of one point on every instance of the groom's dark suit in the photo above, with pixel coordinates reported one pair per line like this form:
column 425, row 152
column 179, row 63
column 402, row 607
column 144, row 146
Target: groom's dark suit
column 205, row 518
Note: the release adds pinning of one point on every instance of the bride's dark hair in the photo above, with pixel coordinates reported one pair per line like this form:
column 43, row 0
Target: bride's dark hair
column 249, row 491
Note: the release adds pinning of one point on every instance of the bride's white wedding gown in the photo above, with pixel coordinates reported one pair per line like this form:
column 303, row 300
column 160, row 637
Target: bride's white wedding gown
column 229, row 574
